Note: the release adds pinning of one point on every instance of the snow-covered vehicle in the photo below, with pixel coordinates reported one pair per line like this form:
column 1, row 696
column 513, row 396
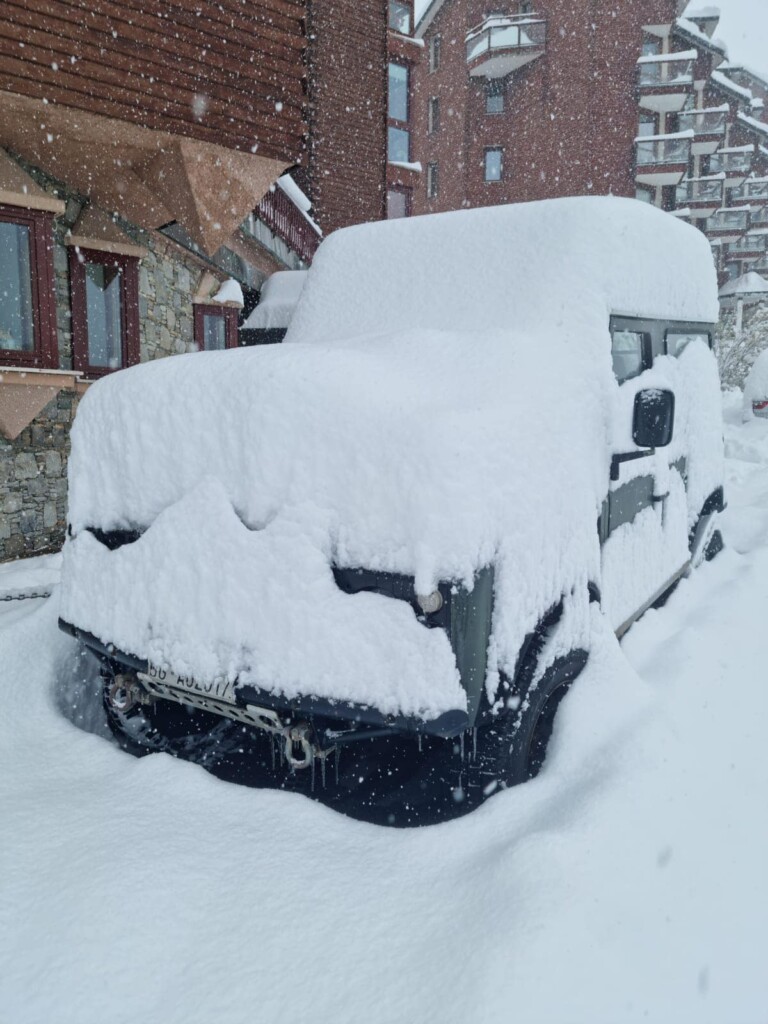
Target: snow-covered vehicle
column 756, row 389
column 388, row 544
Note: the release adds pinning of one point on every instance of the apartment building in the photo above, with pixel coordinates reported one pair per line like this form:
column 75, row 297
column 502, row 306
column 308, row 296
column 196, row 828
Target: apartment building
column 517, row 101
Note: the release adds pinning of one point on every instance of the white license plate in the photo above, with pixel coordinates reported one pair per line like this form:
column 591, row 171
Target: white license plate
column 221, row 689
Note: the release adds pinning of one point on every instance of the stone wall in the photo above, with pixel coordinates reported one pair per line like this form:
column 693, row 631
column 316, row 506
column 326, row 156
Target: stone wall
column 33, row 482
column 167, row 282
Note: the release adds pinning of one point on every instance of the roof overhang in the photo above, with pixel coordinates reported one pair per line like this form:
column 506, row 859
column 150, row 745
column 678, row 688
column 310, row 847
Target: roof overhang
column 150, row 178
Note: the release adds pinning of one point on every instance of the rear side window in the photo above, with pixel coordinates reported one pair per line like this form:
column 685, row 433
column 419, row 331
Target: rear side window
column 678, row 341
column 627, row 352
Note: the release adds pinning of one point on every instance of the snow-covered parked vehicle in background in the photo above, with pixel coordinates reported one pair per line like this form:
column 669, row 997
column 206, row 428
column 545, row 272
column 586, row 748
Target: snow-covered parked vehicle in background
column 385, row 546
column 756, row 389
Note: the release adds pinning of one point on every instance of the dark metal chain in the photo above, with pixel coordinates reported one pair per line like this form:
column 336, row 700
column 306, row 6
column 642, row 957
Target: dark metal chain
column 25, row 596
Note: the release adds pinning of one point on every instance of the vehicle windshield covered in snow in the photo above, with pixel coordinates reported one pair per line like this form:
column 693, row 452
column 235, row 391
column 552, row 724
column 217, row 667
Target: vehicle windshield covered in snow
column 482, row 430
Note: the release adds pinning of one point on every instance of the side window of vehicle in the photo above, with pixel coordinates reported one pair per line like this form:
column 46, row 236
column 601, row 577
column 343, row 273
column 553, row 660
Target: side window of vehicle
column 678, row 341
column 627, row 352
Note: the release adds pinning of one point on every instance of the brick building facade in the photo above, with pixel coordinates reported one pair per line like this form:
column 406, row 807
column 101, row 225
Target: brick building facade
column 552, row 113
column 518, row 101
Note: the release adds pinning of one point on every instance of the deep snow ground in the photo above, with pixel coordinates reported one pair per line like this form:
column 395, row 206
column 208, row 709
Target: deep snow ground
column 627, row 883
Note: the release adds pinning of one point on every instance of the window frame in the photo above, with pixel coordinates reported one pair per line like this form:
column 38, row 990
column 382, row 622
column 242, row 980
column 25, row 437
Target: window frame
column 129, row 298
column 433, row 180
column 434, row 53
column 644, row 342
column 687, row 329
column 495, row 89
column 399, row 121
column 433, row 115
column 404, row 191
column 396, row 123
column 45, row 350
column 486, row 151
column 409, row 11
column 230, row 317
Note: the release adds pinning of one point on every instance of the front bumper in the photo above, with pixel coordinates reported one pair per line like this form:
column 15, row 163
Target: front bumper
column 334, row 718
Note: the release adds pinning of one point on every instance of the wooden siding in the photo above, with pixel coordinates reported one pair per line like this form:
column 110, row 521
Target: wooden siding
column 230, row 72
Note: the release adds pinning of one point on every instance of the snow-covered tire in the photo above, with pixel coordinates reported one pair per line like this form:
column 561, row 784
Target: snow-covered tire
column 164, row 727
column 706, row 540
column 513, row 749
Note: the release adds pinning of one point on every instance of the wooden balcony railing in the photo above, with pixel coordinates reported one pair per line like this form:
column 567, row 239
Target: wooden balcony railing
column 288, row 222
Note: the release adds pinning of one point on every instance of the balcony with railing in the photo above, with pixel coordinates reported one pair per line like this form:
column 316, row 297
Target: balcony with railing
column 727, row 225
column 750, row 247
column 662, row 159
column 289, row 223
column 501, row 44
column 753, row 192
column 758, row 223
column 708, row 126
column 702, row 196
column 666, row 80
column 735, row 162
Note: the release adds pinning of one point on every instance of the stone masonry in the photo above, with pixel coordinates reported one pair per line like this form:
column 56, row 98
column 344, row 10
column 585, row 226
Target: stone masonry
column 33, row 482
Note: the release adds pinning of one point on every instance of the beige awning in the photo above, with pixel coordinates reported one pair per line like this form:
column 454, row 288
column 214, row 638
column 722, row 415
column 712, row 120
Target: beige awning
column 149, row 177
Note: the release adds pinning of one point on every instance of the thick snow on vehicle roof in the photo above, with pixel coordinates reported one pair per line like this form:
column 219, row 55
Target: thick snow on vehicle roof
column 520, row 266
column 445, row 404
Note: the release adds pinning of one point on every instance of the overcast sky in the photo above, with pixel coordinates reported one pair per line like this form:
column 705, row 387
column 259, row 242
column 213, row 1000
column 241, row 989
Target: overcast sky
column 743, row 28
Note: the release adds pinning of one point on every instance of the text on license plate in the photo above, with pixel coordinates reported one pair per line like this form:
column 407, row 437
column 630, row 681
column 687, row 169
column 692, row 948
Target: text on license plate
column 220, row 688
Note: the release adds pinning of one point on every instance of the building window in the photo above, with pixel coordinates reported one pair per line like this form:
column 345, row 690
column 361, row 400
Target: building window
column 645, row 195
column 434, row 114
column 494, row 97
column 398, row 146
column 215, row 327
column 432, row 181
column 398, row 138
column 494, row 164
column 434, row 53
column 398, row 92
column 400, row 17
column 27, row 297
column 398, row 203
column 105, row 310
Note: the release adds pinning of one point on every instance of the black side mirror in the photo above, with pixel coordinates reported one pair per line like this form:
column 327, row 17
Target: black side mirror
column 654, row 418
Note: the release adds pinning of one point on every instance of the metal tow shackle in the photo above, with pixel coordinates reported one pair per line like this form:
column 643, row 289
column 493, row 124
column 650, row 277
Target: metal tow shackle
column 297, row 736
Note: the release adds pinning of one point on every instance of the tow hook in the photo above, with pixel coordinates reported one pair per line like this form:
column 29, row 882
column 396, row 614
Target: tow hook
column 299, row 751
column 125, row 692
